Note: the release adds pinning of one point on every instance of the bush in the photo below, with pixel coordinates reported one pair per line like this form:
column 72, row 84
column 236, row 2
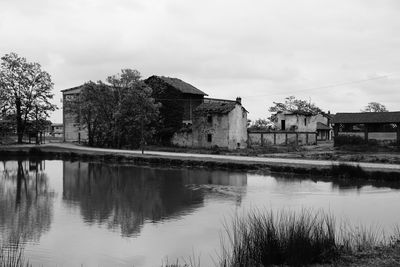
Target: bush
column 341, row 140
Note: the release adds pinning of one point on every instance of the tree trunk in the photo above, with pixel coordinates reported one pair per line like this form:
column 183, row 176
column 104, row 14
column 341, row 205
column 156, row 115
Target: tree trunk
column 20, row 129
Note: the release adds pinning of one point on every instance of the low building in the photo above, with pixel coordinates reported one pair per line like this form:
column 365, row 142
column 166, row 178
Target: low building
column 216, row 123
column 299, row 121
column 383, row 127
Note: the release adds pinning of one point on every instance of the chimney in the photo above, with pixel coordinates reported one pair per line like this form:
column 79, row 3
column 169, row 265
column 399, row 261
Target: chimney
column 239, row 100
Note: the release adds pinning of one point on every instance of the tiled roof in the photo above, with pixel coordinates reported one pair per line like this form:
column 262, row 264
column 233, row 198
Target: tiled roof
column 367, row 117
column 321, row 126
column 215, row 108
column 182, row 86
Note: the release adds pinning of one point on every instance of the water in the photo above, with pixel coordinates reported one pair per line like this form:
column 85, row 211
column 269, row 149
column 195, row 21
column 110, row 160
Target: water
column 92, row 214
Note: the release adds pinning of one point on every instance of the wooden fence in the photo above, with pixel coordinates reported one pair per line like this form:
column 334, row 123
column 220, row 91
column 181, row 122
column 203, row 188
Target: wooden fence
column 265, row 138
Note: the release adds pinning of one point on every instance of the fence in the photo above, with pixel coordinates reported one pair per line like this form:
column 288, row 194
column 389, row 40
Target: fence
column 265, row 138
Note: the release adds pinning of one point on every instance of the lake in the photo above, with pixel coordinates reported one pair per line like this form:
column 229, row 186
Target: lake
column 97, row 214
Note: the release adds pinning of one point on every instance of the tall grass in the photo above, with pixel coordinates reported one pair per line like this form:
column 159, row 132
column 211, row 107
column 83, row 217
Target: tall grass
column 267, row 238
column 264, row 238
column 12, row 256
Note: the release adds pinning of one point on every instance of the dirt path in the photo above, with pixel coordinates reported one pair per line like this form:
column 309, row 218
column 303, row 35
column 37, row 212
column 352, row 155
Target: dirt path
column 222, row 158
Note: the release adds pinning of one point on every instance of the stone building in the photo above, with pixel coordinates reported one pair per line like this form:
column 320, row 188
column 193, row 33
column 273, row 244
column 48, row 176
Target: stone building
column 216, row 122
column 299, row 121
column 203, row 122
column 182, row 97
column 72, row 130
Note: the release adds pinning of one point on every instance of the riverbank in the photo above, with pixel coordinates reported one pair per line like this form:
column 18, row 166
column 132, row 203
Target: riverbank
column 340, row 169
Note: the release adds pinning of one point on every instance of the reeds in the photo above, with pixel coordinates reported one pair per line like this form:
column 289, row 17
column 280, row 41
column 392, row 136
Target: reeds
column 12, row 256
column 268, row 238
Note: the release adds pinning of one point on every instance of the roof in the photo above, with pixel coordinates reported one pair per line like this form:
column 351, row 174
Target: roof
column 72, row 88
column 182, row 86
column 321, row 126
column 367, row 117
column 215, row 107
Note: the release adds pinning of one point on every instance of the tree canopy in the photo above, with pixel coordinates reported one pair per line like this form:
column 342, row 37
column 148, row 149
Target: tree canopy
column 261, row 125
column 119, row 114
column 25, row 91
column 374, row 107
column 292, row 104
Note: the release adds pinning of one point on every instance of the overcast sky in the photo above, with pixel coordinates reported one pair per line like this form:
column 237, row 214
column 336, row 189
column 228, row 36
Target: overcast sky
column 341, row 54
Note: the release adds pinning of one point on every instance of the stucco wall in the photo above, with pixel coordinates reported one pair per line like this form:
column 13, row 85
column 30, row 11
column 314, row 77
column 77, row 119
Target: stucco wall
column 237, row 128
column 227, row 131
column 71, row 127
column 218, row 128
column 182, row 139
column 281, row 138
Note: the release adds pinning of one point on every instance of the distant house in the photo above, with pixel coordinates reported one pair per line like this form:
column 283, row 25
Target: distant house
column 216, row 123
column 381, row 126
column 299, row 121
column 57, row 130
column 176, row 93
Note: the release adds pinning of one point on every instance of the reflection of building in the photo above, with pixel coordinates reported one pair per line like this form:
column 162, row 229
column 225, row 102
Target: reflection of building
column 225, row 178
column 126, row 196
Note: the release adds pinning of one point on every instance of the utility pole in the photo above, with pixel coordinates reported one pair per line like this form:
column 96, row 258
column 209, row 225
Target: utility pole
column 142, row 132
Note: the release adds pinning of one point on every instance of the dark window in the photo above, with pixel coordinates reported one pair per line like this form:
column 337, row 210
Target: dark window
column 305, row 121
column 209, row 138
column 283, row 127
column 209, row 119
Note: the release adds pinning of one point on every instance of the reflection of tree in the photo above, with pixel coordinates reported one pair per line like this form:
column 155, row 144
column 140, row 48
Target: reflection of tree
column 25, row 202
column 126, row 196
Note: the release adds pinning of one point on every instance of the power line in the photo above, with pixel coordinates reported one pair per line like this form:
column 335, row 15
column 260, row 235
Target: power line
column 326, row 86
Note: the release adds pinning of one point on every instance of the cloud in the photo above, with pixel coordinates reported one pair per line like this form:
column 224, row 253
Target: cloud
column 227, row 48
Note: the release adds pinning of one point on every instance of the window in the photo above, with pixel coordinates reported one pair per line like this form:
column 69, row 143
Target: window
column 209, row 119
column 305, row 121
column 283, row 126
column 209, row 138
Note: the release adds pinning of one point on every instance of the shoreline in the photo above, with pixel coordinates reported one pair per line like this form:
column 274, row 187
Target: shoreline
column 341, row 170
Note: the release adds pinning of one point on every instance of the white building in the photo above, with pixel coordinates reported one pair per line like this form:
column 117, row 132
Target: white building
column 298, row 121
column 216, row 122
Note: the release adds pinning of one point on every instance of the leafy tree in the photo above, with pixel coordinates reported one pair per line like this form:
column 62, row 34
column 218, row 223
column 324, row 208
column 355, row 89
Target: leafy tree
column 120, row 114
column 374, row 107
column 292, row 104
column 261, row 124
column 25, row 91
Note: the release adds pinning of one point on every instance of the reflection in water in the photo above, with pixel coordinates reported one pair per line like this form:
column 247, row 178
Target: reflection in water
column 126, row 196
column 342, row 185
column 25, row 201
